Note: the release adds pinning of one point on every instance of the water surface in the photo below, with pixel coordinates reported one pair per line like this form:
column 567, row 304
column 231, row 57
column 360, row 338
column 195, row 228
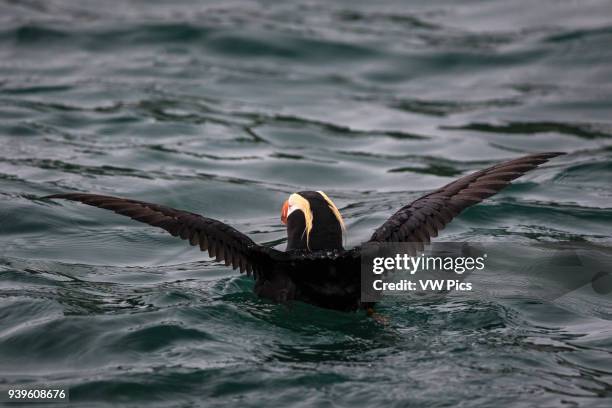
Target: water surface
column 225, row 108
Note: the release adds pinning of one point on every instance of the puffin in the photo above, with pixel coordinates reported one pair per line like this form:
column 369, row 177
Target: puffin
column 315, row 268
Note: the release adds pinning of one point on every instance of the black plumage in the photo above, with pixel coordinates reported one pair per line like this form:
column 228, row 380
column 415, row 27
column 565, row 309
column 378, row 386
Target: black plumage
column 315, row 268
column 326, row 231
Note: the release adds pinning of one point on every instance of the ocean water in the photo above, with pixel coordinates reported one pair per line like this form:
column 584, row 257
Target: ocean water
column 225, row 108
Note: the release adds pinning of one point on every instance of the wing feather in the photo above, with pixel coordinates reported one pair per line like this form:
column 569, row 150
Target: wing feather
column 223, row 242
column 422, row 219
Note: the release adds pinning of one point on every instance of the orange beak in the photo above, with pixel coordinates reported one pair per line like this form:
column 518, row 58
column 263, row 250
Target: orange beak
column 284, row 212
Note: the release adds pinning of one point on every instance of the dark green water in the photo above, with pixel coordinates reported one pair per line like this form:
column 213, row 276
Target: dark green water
column 226, row 108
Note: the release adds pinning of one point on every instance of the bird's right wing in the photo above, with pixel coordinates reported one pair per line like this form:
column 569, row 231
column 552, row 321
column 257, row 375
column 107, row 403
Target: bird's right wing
column 421, row 220
column 223, row 242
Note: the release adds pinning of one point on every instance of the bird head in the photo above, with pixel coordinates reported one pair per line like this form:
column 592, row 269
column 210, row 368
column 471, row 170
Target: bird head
column 313, row 222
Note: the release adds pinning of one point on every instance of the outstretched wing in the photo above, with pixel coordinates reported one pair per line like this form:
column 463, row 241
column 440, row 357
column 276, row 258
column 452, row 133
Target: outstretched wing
column 422, row 219
column 222, row 242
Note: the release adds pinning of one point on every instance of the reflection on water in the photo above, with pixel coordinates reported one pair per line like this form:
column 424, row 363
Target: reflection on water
column 226, row 108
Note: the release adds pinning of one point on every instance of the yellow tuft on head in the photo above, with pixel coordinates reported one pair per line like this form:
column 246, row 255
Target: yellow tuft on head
column 297, row 202
column 335, row 210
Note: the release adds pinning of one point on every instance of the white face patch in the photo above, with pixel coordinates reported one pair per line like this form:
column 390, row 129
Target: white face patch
column 291, row 209
column 297, row 202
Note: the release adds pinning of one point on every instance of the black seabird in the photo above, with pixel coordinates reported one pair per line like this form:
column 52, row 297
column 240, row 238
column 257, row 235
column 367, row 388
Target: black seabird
column 316, row 268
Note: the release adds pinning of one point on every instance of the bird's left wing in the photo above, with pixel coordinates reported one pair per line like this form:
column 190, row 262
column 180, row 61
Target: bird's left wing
column 223, row 242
